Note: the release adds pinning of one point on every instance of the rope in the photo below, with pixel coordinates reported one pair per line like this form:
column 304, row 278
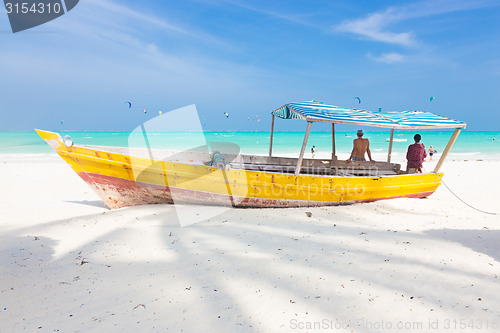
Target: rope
column 217, row 160
column 479, row 210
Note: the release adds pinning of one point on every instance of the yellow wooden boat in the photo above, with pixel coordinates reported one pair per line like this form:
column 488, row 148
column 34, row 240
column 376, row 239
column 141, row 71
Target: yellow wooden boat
column 130, row 176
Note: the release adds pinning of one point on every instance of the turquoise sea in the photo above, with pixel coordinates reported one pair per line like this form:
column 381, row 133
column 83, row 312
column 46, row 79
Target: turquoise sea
column 471, row 145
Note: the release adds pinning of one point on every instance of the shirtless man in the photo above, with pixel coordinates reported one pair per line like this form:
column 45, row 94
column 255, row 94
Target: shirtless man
column 360, row 147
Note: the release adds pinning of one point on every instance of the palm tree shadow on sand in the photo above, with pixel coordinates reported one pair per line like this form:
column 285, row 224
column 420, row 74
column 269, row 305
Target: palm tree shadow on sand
column 483, row 241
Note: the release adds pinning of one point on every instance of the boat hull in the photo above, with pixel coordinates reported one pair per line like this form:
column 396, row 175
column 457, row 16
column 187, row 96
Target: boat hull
column 117, row 193
column 123, row 180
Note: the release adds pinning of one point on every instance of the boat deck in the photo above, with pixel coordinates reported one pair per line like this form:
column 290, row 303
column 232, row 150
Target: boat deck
column 285, row 165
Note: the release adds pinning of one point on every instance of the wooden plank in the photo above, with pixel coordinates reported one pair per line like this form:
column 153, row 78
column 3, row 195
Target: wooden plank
column 390, row 146
column 447, row 149
column 190, row 157
column 290, row 161
column 271, row 139
column 303, row 149
column 316, row 171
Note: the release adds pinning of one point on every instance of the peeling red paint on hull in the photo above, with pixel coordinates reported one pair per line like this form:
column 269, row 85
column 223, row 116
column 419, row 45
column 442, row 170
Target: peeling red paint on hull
column 117, row 193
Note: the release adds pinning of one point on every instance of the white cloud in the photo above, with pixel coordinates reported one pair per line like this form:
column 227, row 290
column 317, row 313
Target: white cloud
column 127, row 12
column 128, row 50
column 278, row 15
column 376, row 26
column 110, row 15
column 387, row 58
column 373, row 26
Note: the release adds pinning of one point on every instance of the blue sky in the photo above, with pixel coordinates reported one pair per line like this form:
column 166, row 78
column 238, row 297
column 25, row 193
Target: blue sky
column 247, row 58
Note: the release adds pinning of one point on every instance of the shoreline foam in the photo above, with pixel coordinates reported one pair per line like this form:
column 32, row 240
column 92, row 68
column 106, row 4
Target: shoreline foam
column 475, row 145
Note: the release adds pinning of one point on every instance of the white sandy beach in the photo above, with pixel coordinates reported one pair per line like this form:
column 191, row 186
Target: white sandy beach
column 69, row 264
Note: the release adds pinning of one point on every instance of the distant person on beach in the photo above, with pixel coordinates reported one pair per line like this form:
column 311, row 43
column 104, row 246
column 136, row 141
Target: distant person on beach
column 360, row 147
column 313, row 151
column 432, row 151
column 415, row 156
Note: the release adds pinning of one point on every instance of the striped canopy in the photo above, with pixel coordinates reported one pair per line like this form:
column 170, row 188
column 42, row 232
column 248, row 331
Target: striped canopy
column 319, row 112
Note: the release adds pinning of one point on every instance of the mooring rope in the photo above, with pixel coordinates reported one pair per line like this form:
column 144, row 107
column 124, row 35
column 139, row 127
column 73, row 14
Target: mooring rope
column 479, row 210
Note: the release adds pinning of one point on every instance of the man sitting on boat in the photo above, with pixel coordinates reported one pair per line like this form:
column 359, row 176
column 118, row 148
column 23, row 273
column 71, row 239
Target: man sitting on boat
column 416, row 155
column 360, row 147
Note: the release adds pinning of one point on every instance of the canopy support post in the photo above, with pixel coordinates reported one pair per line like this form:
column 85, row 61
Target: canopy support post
column 271, row 140
column 334, row 153
column 390, row 146
column 333, row 142
column 303, row 150
column 447, row 149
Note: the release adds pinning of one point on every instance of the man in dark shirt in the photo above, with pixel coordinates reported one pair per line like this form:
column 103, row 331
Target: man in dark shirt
column 415, row 155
